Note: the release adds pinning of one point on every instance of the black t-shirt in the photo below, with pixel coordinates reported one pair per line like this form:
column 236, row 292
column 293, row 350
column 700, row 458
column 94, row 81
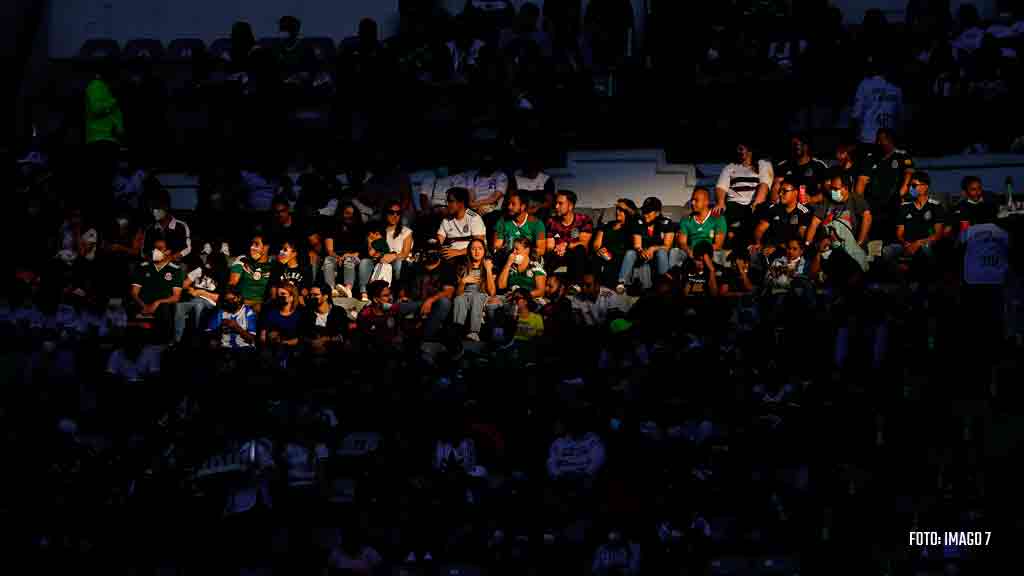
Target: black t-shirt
column 278, row 235
column 886, row 175
column 810, row 174
column 301, row 277
column 919, row 223
column 653, row 233
column 430, row 282
column 333, row 326
column 616, row 241
column 347, row 237
column 972, row 213
column 698, row 283
column 783, row 225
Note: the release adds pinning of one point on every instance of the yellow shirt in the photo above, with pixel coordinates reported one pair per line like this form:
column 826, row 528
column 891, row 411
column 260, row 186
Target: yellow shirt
column 529, row 327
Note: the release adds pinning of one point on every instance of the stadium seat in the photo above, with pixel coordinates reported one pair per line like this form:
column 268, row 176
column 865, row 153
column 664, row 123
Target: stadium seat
column 147, row 48
column 98, row 48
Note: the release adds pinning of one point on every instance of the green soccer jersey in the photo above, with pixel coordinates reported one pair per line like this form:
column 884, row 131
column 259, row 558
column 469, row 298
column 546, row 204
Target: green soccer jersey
column 508, row 231
column 526, row 279
column 157, row 283
column 706, row 231
column 254, row 278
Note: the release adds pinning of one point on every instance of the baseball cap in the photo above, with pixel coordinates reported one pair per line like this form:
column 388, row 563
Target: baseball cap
column 651, row 204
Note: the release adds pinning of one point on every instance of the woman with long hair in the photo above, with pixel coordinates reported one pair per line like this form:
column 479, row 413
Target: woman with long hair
column 281, row 327
column 344, row 246
column 611, row 242
column 476, row 286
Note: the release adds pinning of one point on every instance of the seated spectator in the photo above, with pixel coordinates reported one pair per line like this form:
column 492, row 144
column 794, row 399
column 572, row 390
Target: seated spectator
column 785, row 268
column 736, row 279
column 701, row 280
column 324, row 324
column 782, row 221
column 653, row 238
column 280, row 328
column 292, row 60
column 803, row 170
column 233, row 327
column 617, row 556
column 202, row 287
column 742, row 187
column 517, row 223
column 558, row 310
column 972, row 209
column 577, row 454
column 701, row 226
column 921, row 223
column 535, row 185
column 612, row 240
column 156, row 287
column 345, row 245
column 487, row 186
column 842, row 207
column 476, row 287
column 284, row 225
column 433, row 289
column 399, row 239
column 460, row 226
column 378, row 321
column 521, row 272
column 529, row 324
column 593, row 305
column 174, row 232
column 288, row 269
column 250, row 274
column 568, row 237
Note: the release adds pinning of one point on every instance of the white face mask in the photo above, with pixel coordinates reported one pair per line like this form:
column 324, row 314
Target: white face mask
column 157, row 255
column 385, row 305
column 159, row 213
column 972, row 201
column 122, row 222
column 517, row 259
column 837, row 195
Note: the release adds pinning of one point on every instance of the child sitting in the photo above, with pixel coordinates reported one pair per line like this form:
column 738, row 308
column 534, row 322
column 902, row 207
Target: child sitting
column 790, row 265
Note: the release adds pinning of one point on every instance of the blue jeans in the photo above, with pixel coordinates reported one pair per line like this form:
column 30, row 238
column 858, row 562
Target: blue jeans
column 182, row 310
column 435, row 320
column 629, row 260
column 470, row 304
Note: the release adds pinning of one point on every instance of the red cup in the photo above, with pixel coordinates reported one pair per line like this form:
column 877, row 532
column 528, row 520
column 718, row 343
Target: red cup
column 803, row 194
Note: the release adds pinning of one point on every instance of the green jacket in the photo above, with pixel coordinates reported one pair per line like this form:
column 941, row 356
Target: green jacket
column 103, row 120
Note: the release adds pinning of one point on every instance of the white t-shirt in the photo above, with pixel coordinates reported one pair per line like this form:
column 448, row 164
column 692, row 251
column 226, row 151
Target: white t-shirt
column 986, row 259
column 526, row 184
column 487, row 187
column 435, row 188
column 470, row 225
column 741, row 182
column 395, row 243
column 878, row 104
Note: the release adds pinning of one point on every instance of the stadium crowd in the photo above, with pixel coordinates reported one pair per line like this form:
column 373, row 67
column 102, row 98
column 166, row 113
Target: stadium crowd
column 460, row 368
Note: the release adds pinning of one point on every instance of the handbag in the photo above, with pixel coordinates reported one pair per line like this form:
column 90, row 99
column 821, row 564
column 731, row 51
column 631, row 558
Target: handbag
column 381, row 271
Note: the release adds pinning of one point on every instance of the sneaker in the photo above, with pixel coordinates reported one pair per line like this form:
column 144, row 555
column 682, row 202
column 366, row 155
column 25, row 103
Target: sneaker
column 411, row 558
column 364, row 297
column 575, row 289
column 621, row 288
column 473, row 337
column 343, row 291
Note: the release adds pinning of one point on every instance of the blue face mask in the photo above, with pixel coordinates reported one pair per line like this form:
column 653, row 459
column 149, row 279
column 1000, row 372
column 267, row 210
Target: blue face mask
column 913, row 192
column 837, row 195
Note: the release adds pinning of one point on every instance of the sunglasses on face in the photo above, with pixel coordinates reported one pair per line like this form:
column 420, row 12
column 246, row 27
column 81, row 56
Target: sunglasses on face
column 788, row 190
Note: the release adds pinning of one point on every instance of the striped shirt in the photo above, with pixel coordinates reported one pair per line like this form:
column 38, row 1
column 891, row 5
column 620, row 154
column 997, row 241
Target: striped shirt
column 740, row 182
column 245, row 318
